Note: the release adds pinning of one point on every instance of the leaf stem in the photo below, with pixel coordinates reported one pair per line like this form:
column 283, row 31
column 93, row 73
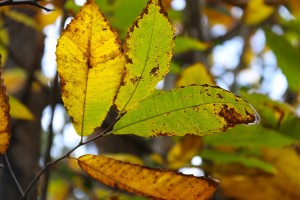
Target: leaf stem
column 11, row 172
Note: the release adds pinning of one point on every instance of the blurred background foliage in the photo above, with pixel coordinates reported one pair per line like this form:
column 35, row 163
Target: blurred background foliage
column 250, row 47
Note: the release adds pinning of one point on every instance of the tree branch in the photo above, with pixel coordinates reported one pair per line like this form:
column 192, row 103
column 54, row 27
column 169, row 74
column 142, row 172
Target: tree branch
column 11, row 172
column 24, row 2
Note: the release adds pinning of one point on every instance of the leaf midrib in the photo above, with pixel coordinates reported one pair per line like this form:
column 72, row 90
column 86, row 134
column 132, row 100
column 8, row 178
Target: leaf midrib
column 172, row 111
column 144, row 66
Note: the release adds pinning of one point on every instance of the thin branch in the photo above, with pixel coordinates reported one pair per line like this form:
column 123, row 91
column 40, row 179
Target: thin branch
column 11, row 172
column 2, row 166
column 104, row 133
column 25, row 2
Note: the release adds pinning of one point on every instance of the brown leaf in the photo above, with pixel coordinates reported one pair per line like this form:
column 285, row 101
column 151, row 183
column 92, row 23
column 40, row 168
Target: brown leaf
column 4, row 116
column 145, row 181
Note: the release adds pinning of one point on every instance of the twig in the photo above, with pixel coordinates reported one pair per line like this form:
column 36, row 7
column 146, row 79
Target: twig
column 104, row 133
column 25, row 2
column 11, row 172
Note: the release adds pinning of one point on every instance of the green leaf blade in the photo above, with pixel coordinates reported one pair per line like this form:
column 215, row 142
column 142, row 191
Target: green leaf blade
column 288, row 58
column 194, row 109
column 229, row 158
column 254, row 137
column 148, row 51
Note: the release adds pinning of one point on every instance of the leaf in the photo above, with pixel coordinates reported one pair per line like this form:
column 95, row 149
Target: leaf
column 183, row 151
column 275, row 115
column 254, row 137
column 228, row 158
column 288, row 60
column 295, row 8
column 219, row 14
column 44, row 19
column 145, row 181
column 191, row 110
column 184, row 43
column 4, row 116
column 148, row 53
column 90, row 66
column 14, row 79
column 125, row 158
column 245, row 183
column 122, row 13
column 18, row 110
column 257, row 11
column 58, row 189
column 4, row 41
column 195, row 74
column 22, row 18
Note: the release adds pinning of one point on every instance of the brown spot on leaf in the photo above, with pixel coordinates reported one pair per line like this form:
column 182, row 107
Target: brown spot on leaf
column 233, row 117
column 195, row 108
column 219, row 96
column 128, row 60
column 278, row 112
column 154, row 71
column 134, row 80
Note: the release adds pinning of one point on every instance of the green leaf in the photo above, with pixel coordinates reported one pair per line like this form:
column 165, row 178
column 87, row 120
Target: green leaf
column 228, row 158
column 191, row 110
column 254, row 137
column 275, row 115
column 288, row 58
column 184, row 43
column 148, row 50
column 122, row 13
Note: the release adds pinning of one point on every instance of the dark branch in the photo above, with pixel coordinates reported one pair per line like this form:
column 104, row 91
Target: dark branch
column 24, row 2
column 11, row 172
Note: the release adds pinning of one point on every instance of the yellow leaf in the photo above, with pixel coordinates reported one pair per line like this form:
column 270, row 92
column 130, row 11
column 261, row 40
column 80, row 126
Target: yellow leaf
column 18, row 110
column 183, row 151
column 257, row 11
column 90, row 66
column 219, row 15
column 4, row 40
column 4, row 116
column 295, row 7
column 46, row 18
column 195, row 74
column 14, row 79
column 148, row 50
column 249, row 184
column 58, row 189
column 153, row 183
column 125, row 158
column 22, row 18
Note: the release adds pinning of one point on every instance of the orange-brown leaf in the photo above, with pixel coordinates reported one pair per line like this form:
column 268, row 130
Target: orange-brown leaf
column 153, row 183
column 4, row 116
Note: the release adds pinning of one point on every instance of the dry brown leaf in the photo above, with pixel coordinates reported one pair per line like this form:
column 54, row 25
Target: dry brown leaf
column 145, row 181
